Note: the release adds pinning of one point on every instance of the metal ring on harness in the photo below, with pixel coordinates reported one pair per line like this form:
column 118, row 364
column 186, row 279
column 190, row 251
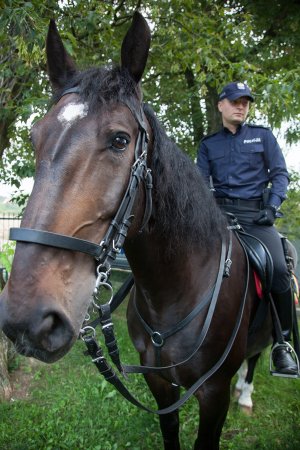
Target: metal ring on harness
column 87, row 332
column 157, row 339
column 108, row 287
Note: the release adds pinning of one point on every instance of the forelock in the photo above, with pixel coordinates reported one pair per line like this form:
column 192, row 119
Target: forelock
column 99, row 86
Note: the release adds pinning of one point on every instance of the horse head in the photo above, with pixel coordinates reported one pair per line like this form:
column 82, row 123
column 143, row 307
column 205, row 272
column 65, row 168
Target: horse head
column 85, row 147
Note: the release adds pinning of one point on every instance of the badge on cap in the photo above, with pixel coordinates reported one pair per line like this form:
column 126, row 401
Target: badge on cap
column 240, row 86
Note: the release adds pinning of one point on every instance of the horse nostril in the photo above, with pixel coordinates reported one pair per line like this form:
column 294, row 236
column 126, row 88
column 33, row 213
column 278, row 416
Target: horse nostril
column 53, row 331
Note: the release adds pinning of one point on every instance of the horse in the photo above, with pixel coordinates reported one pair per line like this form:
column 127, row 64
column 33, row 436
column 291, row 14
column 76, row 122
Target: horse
column 97, row 146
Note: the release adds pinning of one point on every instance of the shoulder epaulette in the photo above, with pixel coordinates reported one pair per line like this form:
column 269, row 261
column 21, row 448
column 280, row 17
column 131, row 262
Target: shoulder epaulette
column 210, row 135
column 254, row 125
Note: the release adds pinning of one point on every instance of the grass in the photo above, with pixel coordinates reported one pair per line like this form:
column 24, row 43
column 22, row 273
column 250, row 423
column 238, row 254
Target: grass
column 71, row 407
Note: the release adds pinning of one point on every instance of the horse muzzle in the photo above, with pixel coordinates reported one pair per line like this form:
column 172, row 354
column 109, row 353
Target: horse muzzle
column 46, row 335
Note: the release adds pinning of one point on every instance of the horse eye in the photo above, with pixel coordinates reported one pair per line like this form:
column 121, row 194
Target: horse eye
column 120, row 142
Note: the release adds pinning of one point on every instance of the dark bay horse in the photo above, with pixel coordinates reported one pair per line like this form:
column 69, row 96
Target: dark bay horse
column 97, row 139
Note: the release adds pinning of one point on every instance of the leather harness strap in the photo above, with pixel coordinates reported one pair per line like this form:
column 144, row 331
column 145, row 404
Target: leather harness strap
column 103, row 367
column 211, row 298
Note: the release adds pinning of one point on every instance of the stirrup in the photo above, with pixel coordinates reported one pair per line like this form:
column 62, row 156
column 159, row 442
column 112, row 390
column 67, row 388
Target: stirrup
column 273, row 370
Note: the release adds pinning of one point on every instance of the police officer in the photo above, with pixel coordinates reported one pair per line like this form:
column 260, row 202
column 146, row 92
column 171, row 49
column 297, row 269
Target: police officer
column 241, row 160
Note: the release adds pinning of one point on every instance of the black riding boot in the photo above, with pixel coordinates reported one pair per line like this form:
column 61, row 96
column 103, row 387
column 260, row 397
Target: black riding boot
column 283, row 360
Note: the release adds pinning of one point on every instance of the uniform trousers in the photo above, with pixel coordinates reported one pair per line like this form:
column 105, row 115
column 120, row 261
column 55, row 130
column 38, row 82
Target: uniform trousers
column 270, row 237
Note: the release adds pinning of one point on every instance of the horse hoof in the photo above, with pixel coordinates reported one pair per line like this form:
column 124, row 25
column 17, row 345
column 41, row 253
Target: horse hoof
column 247, row 410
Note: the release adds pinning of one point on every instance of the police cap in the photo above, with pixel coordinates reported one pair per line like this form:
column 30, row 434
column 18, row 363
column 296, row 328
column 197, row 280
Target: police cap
column 235, row 90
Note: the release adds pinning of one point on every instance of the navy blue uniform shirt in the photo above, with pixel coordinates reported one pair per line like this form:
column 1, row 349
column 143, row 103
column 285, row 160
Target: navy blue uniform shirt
column 242, row 165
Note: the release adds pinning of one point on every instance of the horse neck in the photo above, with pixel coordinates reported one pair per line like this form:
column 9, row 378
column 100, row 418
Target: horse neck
column 178, row 252
column 166, row 277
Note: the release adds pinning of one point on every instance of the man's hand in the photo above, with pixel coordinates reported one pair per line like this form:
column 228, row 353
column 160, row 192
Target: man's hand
column 266, row 216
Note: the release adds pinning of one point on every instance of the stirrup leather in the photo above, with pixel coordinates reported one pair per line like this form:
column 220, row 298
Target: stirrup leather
column 273, row 370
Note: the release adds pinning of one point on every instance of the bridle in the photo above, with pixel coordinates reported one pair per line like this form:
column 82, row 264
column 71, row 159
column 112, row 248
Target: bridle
column 112, row 243
column 105, row 253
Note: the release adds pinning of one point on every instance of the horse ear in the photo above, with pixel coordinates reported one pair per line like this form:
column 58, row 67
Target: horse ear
column 135, row 47
column 60, row 65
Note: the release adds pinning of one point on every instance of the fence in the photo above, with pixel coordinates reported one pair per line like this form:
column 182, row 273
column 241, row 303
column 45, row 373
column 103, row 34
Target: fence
column 7, row 221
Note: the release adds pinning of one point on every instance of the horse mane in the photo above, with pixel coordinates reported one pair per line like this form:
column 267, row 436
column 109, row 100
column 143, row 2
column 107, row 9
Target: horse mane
column 183, row 206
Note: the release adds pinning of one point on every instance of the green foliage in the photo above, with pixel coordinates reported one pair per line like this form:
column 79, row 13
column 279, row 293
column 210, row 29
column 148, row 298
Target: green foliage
column 20, row 200
column 23, row 86
column 196, row 47
column 290, row 223
column 6, row 255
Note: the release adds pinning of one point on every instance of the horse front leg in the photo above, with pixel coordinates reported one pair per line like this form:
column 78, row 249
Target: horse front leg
column 165, row 395
column 214, row 399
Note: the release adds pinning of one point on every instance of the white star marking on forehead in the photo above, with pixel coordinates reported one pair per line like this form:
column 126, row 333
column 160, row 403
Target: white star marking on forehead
column 71, row 112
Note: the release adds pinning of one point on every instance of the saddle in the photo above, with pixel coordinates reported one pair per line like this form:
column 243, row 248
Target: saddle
column 259, row 258
column 261, row 263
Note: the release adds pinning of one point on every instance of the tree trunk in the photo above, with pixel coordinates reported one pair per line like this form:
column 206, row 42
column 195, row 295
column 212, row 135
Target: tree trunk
column 213, row 116
column 5, row 387
column 197, row 113
column 4, row 141
column 8, row 91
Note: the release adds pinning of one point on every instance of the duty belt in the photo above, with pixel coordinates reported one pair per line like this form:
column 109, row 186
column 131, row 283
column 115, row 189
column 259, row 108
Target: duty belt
column 253, row 204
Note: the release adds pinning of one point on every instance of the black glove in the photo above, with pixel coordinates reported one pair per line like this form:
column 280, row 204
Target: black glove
column 266, row 216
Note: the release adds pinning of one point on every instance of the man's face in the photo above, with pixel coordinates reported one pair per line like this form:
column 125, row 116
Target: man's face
column 234, row 112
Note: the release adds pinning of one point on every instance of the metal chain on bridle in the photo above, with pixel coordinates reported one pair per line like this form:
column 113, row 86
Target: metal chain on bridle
column 105, row 252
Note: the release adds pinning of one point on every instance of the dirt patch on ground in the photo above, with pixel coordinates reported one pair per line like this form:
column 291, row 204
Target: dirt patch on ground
column 22, row 378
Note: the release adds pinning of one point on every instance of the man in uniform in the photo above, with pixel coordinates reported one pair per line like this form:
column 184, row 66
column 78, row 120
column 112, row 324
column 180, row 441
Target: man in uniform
column 241, row 161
